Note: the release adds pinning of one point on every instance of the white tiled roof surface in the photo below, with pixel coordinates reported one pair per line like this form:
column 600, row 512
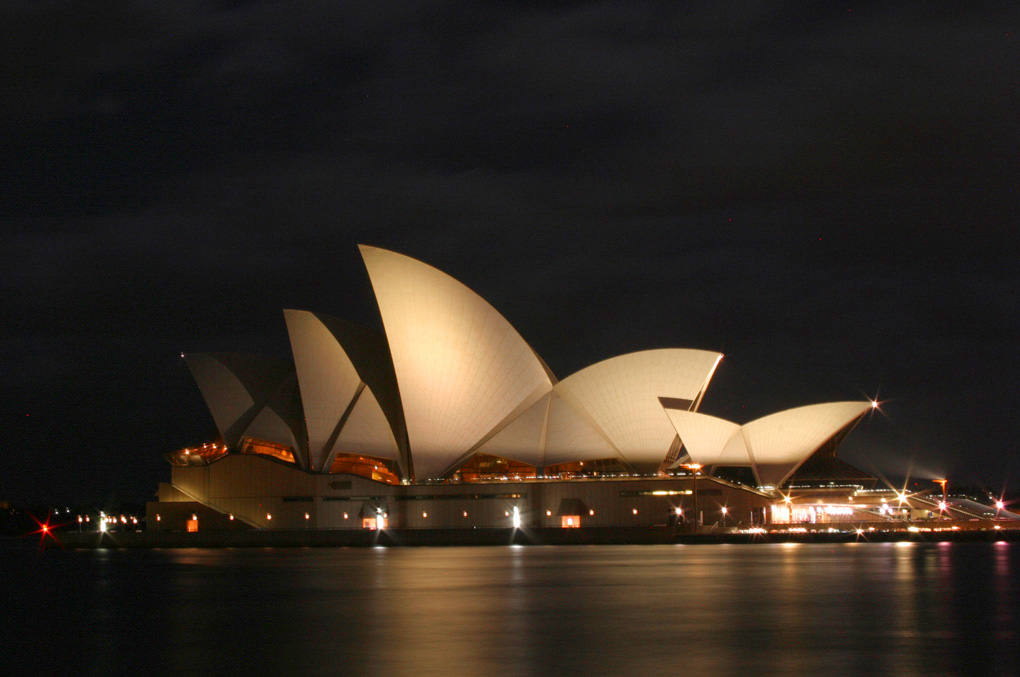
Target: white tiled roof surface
column 460, row 366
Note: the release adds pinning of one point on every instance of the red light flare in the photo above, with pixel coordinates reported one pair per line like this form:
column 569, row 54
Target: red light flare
column 45, row 529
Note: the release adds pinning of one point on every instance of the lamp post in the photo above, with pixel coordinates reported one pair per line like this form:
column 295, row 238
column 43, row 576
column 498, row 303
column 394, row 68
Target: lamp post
column 945, row 504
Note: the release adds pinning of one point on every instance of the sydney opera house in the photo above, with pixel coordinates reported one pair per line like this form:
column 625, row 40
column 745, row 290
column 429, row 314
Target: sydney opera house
column 450, row 419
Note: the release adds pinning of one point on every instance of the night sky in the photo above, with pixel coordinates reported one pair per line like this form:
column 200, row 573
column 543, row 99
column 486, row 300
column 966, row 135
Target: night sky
column 826, row 193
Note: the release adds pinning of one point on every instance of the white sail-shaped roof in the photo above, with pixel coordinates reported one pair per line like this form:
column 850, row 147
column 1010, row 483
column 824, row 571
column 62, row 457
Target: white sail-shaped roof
column 621, row 398
column 282, row 420
column 342, row 413
column 462, row 369
column 774, row 445
column 781, row 442
column 709, row 440
column 327, row 379
column 236, row 387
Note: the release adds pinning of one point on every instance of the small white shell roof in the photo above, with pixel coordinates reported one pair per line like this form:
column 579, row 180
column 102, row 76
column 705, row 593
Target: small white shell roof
column 781, row 442
column 461, row 368
column 709, row 440
column 248, row 395
column 620, row 397
column 774, row 445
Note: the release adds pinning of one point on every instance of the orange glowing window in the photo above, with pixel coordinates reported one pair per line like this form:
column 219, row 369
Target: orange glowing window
column 570, row 521
column 192, row 526
column 485, row 467
column 282, row 452
column 377, row 469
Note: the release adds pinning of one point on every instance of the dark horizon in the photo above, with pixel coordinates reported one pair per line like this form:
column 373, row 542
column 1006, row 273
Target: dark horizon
column 827, row 194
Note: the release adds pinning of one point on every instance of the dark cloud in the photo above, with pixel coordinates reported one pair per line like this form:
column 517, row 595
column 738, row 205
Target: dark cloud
column 827, row 194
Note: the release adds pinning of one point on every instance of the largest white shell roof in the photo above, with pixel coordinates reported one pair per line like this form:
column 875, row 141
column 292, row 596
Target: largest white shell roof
column 462, row 369
column 469, row 382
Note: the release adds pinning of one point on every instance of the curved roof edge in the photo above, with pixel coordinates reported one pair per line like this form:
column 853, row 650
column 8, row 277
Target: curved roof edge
column 621, row 398
column 337, row 363
column 781, row 442
column 461, row 367
column 237, row 387
column 775, row 446
column 709, row 440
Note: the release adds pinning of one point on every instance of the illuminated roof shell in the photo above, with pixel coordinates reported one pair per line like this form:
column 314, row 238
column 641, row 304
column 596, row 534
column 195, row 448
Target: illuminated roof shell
column 709, row 440
column 250, row 395
column 774, row 445
column 781, row 442
column 342, row 413
column 462, row 369
column 620, row 397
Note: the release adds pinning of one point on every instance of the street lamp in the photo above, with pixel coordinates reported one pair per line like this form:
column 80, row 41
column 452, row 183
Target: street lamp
column 724, row 511
column 945, row 503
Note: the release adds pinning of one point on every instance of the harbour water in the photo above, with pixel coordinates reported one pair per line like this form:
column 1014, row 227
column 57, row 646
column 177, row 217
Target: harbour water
column 852, row 609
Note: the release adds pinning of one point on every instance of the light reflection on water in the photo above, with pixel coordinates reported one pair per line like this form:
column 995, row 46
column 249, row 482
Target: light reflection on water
column 714, row 609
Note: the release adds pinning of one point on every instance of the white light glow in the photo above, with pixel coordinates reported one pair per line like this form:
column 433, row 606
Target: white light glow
column 517, row 518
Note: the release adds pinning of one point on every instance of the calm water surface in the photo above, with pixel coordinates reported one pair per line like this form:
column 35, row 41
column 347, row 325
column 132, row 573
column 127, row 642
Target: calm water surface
column 886, row 609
